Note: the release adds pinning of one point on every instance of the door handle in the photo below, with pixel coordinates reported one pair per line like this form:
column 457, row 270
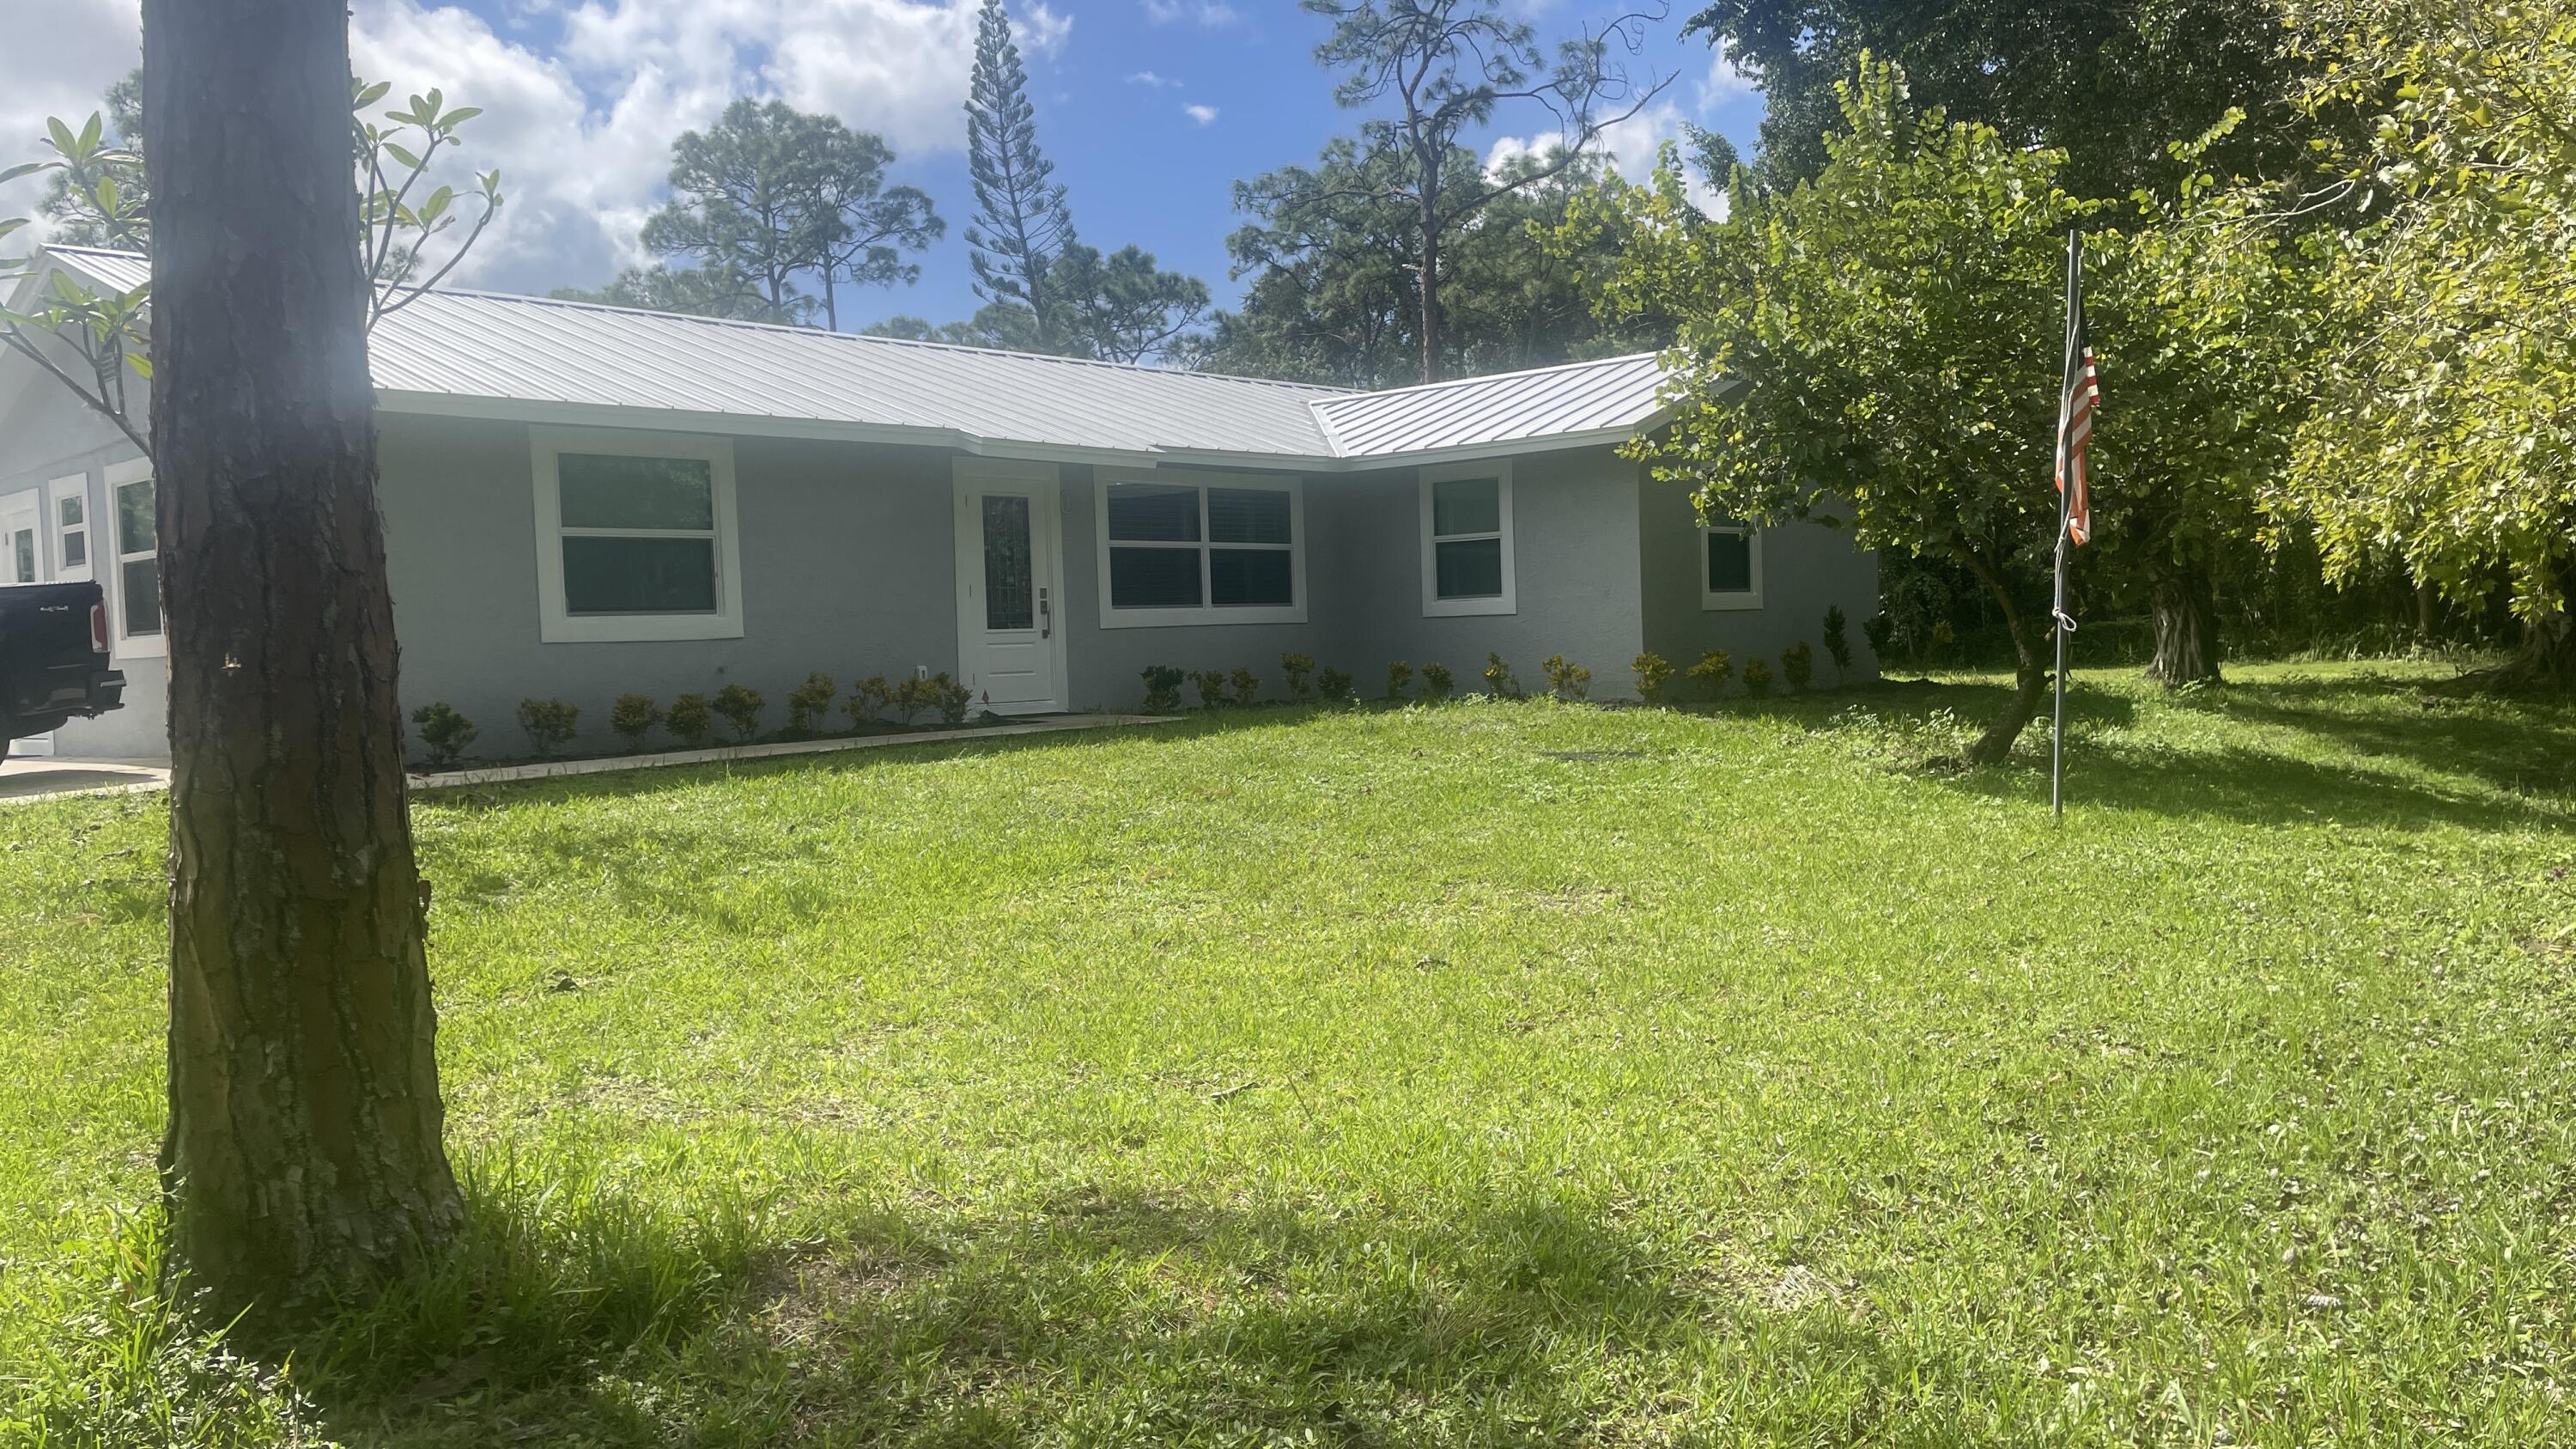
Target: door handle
column 1046, row 616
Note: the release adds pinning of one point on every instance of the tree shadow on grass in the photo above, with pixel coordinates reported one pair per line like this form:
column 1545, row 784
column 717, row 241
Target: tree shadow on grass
column 1114, row 1314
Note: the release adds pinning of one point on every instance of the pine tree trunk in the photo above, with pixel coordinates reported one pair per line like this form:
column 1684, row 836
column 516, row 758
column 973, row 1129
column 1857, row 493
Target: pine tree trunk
column 303, row 1154
column 1429, row 287
column 2185, row 609
column 2030, row 671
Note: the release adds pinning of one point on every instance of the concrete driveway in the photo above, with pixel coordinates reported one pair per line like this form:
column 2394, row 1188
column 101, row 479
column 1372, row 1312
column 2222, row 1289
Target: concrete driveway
column 38, row 777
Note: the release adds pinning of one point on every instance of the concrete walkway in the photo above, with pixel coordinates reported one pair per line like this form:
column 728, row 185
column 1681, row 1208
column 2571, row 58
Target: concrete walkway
column 40, row 778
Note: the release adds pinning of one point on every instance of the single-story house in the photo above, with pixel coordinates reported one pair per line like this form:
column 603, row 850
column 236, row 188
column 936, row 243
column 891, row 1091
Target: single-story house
column 585, row 501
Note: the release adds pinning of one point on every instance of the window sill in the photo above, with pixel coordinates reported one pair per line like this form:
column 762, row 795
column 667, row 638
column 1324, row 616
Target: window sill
column 1462, row 608
column 1185, row 618
column 638, row 628
column 1729, row 603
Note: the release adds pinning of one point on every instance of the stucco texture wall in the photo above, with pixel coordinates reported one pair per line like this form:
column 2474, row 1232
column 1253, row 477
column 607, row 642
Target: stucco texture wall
column 848, row 568
column 1806, row 568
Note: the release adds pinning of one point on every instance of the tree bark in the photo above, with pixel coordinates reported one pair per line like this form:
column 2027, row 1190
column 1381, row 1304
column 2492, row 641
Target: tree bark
column 1429, row 286
column 2185, row 609
column 2030, row 673
column 303, row 1155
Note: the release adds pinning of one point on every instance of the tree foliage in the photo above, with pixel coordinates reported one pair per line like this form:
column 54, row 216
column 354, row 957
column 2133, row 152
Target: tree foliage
column 1445, row 66
column 1331, row 296
column 1876, row 347
column 2444, row 427
column 2110, row 82
column 1021, row 221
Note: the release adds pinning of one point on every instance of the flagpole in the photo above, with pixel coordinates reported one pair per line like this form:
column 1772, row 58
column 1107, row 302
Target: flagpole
column 2065, row 501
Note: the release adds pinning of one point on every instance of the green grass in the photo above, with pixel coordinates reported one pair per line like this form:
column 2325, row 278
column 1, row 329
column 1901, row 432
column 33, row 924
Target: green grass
column 1483, row 1074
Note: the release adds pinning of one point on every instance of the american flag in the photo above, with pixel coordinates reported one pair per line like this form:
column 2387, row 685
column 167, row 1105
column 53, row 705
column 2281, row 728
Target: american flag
column 2075, row 407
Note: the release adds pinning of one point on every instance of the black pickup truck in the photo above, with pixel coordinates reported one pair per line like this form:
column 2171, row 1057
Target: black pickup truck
column 53, row 658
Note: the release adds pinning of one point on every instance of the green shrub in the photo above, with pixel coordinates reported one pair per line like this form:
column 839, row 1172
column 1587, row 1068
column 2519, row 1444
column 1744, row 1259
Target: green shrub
column 741, row 706
column 1437, row 682
column 691, row 721
column 912, row 697
column 1163, row 688
column 1297, row 667
column 634, row 716
column 1878, row 629
column 867, row 697
column 1798, row 664
column 1711, row 671
column 550, row 723
column 1334, row 686
column 951, row 698
column 1399, row 678
column 1757, row 677
column 1247, row 685
column 444, row 734
column 810, row 703
column 1654, row 676
column 1838, row 639
column 1499, row 679
column 1211, row 687
column 1564, row 680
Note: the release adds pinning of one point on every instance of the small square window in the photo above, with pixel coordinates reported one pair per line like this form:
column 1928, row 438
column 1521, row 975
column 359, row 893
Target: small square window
column 1730, row 567
column 1467, row 540
column 636, row 537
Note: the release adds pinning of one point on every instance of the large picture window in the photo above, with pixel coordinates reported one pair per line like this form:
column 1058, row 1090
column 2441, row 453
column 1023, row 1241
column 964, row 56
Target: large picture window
column 1200, row 550
column 636, row 537
column 1467, row 539
column 1730, row 566
column 133, row 528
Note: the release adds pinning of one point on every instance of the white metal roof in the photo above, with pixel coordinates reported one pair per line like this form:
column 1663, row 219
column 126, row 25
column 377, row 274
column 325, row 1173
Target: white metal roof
column 465, row 352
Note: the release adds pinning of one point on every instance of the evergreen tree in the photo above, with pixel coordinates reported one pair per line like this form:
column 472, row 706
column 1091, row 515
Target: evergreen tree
column 1021, row 223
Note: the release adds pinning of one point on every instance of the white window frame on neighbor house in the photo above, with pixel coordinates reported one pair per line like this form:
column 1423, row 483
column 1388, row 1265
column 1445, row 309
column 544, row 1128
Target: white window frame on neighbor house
column 130, row 645
column 74, row 489
column 1205, row 612
column 1506, row 602
column 557, row 624
column 1712, row 599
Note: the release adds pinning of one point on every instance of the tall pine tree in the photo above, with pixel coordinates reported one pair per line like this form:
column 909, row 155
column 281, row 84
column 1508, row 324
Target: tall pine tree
column 1020, row 224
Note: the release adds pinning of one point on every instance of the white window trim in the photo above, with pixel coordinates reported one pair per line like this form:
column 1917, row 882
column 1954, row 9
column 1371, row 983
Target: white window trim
column 1711, row 601
column 558, row 624
column 28, row 504
column 1291, row 484
column 1506, row 602
column 131, row 646
column 56, row 490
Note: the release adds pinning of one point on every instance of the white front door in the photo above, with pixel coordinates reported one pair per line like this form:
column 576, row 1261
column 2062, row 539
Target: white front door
column 1010, row 586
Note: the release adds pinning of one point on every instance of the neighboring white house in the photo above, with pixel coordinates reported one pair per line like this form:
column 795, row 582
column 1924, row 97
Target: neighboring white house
column 584, row 501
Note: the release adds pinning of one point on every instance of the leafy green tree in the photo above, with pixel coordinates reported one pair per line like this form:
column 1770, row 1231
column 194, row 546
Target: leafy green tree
column 745, row 201
column 1121, row 307
column 1332, row 298
column 716, row 291
column 865, row 226
column 2110, row 82
column 2444, row 426
column 1021, row 222
column 1877, row 346
column 1446, row 66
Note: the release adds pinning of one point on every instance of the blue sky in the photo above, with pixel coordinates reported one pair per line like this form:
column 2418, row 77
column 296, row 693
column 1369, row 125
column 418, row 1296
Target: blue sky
column 582, row 100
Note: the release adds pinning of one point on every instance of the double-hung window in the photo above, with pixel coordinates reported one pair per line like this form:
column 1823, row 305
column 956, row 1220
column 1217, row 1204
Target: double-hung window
column 636, row 537
column 1179, row 549
column 135, row 524
column 71, row 528
column 1730, row 566
column 1467, row 539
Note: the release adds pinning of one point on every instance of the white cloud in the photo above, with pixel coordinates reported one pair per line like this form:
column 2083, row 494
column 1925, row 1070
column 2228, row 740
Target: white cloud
column 582, row 132
column 1156, row 82
column 1630, row 146
column 1204, row 115
column 1724, row 82
column 1206, row 14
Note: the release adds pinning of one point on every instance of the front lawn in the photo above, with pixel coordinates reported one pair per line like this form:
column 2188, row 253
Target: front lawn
column 1484, row 1074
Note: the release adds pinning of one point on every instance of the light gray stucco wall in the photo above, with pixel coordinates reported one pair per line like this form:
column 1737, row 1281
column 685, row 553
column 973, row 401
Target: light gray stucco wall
column 46, row 434
column 1574, row 559
column 1806, row 568
column 848, row 568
